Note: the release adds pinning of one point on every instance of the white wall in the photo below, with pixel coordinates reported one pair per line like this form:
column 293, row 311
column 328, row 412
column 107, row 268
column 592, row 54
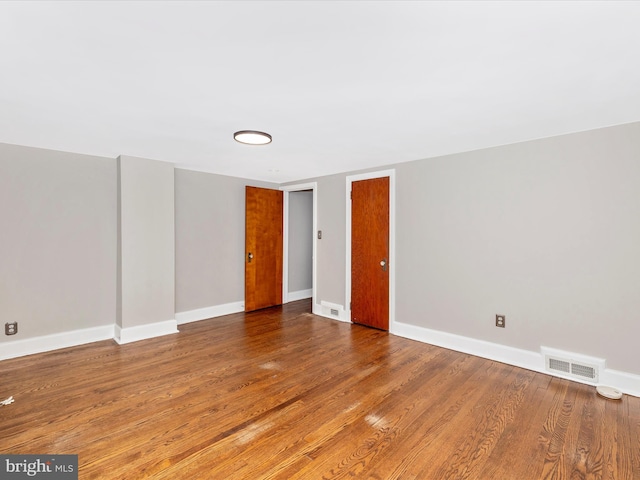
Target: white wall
column 88, row 247
column 210, row 228
column 545, row 232
column 331, row 248
column 57, row 241
column 146, row 248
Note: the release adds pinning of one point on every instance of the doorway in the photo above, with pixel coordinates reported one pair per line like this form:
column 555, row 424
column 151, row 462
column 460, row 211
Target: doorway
column 290, row 291
column 277, row 275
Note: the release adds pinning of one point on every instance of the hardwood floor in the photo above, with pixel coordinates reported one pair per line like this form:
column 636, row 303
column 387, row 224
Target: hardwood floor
column 283, row 394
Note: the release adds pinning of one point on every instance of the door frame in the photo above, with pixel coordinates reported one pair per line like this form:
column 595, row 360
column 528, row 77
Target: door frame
column 391, row 173
column 313, row 186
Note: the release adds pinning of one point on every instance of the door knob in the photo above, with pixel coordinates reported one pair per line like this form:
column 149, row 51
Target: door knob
column 383, row 264
column 249, row 257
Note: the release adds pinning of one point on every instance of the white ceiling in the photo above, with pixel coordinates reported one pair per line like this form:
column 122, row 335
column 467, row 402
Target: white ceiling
column 340, row 85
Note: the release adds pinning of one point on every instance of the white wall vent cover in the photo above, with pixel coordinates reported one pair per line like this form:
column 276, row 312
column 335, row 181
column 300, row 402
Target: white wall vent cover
column 331, row 309
column 572, row 365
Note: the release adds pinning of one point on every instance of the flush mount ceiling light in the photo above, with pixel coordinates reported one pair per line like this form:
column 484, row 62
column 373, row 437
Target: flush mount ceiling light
column 252, row 137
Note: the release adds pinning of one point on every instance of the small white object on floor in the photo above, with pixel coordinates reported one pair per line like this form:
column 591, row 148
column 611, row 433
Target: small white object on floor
column 8, row 401
column 609, row 392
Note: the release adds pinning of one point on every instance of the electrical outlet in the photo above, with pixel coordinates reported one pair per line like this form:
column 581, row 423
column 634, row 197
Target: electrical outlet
column 501, row 320
column 11, row 328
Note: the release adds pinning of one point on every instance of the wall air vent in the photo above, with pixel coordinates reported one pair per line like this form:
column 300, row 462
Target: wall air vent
column 559, row 365
column 572, row 365
column 584, row 371
column 332, row 310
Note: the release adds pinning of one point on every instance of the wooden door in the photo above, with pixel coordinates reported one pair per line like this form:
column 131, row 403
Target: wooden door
column 263, row 248
column 370, row 252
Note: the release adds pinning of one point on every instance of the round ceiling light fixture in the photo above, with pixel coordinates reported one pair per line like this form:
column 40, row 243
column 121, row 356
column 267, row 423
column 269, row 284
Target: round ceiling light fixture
column 252, row 137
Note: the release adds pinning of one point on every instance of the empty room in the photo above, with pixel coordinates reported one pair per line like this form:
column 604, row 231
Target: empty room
column 320, row 240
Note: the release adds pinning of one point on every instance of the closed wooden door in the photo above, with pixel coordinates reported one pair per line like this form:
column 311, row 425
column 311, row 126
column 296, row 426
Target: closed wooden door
column 370, row 252
column 263, row 248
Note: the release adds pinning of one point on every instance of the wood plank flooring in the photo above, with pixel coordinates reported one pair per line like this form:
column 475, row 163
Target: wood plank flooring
column 283, row 394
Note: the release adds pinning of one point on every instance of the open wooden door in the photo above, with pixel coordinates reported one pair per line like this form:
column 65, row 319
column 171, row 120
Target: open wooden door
column 370, row 252
column 263, row 248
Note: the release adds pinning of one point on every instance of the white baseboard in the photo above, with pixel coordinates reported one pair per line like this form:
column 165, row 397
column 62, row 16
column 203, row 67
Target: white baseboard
column 143, row 332
column 299, row 295
column 46, row 343
column 626, row 382
column 209, row 312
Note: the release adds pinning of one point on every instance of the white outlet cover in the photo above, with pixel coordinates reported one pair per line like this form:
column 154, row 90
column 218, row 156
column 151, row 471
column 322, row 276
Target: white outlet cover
column 609, row 392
